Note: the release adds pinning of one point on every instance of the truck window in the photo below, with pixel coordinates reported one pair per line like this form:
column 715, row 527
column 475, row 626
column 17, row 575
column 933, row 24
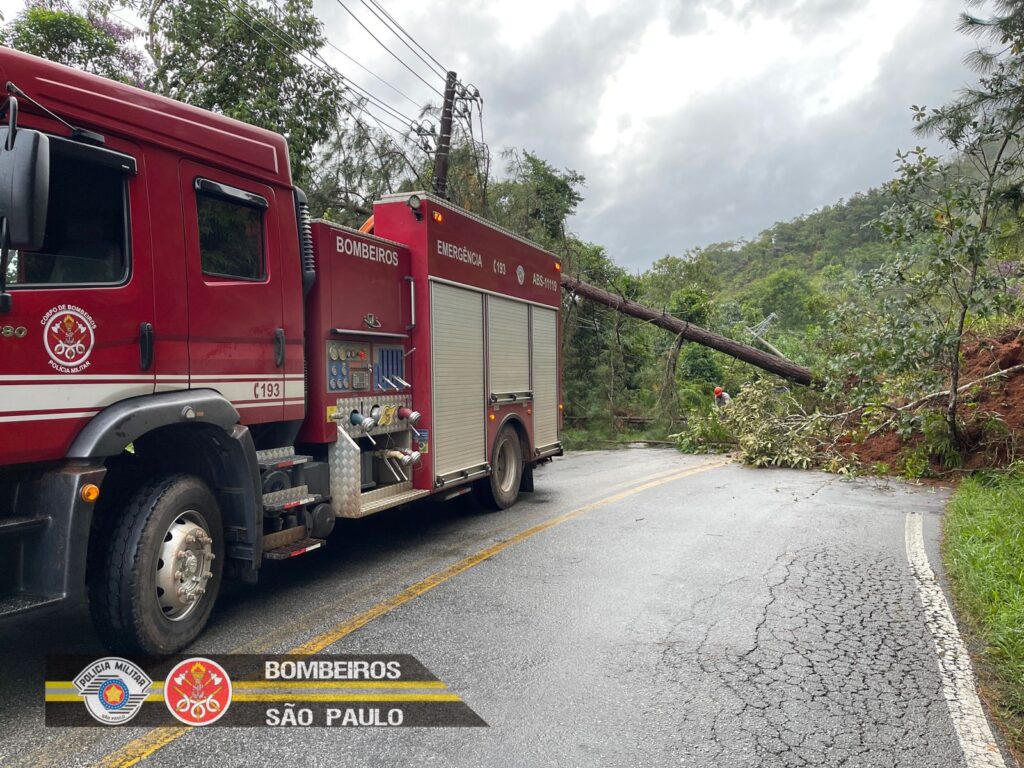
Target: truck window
column 86, row 240
column 231, row 241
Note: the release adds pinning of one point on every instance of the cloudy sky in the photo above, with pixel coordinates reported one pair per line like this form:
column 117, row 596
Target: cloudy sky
column 694, row 121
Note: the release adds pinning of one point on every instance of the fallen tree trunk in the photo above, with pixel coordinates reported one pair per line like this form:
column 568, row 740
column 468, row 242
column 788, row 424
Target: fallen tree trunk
column 963, row 388
column 780, row 366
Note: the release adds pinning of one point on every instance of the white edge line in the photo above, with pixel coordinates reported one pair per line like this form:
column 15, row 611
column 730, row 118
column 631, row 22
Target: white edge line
column 958, row 683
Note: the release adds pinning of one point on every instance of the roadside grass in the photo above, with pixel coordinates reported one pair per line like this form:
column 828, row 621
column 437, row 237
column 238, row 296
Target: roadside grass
column 983, row 547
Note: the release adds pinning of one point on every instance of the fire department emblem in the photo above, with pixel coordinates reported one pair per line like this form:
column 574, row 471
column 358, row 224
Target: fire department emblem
column 198, row 691
column 113, row 689
column 69, row 338
column 520, row 274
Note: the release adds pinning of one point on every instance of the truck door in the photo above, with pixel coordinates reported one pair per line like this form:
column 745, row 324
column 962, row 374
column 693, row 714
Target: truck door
column 236, row 340
column 76, row 339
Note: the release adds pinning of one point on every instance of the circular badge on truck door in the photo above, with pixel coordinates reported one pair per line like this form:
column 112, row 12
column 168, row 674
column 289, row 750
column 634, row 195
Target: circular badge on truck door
column 520, row 274
column 69, row 337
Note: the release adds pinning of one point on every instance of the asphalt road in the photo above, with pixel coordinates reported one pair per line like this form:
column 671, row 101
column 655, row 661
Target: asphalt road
column 716, row 617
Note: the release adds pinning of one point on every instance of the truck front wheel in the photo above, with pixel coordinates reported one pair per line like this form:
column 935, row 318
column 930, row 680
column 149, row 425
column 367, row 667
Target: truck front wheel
column 501, row 489
column 158, row 577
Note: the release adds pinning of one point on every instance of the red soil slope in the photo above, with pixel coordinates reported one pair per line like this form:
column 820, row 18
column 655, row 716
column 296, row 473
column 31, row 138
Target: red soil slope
column 1001, row 398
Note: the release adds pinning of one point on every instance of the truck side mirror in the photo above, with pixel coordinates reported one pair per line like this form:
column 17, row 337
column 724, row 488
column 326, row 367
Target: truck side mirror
column 24, row 186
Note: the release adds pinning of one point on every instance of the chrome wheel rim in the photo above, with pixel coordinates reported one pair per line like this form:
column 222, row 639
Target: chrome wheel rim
column 184, row 566
column 505, row 466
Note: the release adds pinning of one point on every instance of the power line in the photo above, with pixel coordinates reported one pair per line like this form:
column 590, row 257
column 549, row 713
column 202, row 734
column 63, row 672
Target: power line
column 395, row 22
column 394, row 55
column 323, row 65
column 331, row 72
column 443, row 72
column 368, row 99
column 375, row 75
column 360, row 65
column 295, row 45
column 405, row 157
column 125, row 21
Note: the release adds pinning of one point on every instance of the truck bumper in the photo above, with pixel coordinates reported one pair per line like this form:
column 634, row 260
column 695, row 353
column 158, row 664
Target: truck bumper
column 44, row 535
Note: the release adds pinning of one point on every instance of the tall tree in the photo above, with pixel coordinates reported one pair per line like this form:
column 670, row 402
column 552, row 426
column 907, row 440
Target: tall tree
column 946, row 214
column 252, row 60
column 355, row 167
column 80, row 35
column 536, row 199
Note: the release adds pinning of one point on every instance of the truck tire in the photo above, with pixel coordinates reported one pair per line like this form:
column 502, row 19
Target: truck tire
column 157, row 580
column 501, row 489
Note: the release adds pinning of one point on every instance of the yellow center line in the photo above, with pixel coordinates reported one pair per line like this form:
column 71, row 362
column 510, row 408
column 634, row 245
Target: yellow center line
column 315, row 617
column 302, row 690
column 158, row 738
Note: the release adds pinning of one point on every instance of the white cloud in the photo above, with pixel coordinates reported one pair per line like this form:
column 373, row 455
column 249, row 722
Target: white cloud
column 817, row 74
column 693, row 120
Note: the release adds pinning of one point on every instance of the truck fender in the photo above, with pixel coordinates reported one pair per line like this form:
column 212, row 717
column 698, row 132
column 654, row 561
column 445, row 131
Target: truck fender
column 524, row 436
column 197, row 430
column 526, row 484
column 117, row 426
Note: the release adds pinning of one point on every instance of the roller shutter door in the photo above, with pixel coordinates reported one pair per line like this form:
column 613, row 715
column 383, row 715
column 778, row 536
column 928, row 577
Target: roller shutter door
column 457, row 333
column 508, row 346
column 544, row 363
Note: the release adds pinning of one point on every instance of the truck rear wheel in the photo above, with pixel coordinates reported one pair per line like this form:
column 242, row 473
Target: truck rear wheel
column 501, row 489
column 158, row 577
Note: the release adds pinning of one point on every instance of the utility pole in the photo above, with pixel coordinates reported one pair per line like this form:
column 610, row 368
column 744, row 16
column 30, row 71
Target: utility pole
column 444, row 141
column 758, row 332
column 778, row 365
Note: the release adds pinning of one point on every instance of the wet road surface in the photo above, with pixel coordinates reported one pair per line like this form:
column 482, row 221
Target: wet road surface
column 678, row 612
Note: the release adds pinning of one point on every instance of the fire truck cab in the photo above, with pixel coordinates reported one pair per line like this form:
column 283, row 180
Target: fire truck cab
column 196, row 378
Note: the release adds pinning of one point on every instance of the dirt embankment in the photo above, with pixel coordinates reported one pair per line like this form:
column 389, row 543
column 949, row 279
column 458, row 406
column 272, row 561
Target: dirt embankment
column 993, row 411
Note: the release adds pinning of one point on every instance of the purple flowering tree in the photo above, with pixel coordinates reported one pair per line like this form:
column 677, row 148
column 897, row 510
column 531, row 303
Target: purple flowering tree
column 81, row 35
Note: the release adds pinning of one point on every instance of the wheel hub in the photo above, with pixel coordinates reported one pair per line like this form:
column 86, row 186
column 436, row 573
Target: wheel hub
column 505, row 466
column 185, row 565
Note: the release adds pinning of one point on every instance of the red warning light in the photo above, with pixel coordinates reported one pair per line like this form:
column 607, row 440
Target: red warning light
column 362, row 355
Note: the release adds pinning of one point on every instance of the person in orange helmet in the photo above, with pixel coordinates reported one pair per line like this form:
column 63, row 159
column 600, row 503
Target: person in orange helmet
column 722, row 398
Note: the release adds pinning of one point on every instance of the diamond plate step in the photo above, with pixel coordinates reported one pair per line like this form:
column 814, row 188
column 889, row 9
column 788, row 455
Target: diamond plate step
column 280, row 458
column 379, row 505
column 300, row 547
column 278, row 501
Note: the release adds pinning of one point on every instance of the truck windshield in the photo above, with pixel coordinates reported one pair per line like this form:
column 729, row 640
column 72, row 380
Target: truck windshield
column 86, row 232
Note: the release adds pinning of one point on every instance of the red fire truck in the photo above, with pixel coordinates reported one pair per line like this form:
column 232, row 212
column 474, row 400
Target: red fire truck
column 196, row 378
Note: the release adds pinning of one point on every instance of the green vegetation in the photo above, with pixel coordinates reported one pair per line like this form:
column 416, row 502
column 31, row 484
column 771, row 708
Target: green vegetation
column 887, row 296
column 876, row 294
column 984, row 552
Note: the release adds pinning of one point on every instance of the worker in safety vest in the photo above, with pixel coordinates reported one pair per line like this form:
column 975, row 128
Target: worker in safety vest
column 722, row 398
